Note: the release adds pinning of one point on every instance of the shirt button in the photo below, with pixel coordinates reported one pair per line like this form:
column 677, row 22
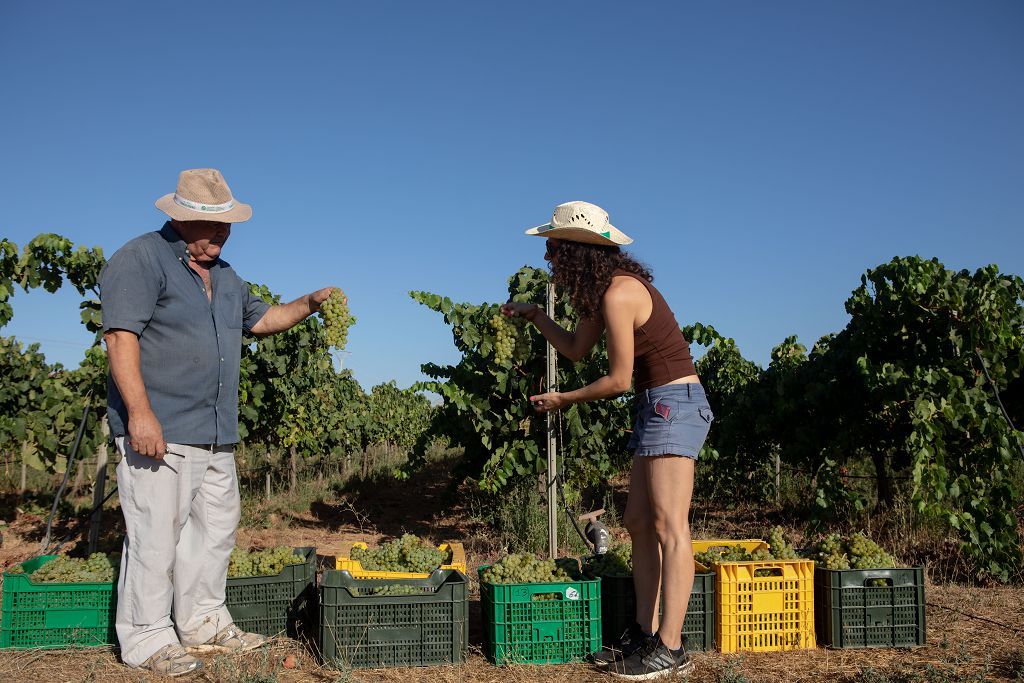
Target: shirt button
column 221, row 360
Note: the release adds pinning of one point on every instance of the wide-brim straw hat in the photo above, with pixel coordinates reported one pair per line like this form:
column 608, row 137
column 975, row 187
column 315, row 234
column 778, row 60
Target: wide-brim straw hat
column 581, row 222
column 203, row 195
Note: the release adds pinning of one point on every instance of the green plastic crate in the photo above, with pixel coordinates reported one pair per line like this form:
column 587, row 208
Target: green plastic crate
column 272, row 605
column 618, row 610
column 852, row 614
column 518, row 629
column 362, row 630
column 55, row 615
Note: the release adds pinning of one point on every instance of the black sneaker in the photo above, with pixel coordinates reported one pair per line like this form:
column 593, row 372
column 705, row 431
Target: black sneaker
column 652, row 661
column 631, row 640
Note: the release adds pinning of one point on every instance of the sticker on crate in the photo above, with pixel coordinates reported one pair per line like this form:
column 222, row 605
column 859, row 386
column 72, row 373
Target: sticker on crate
column 529, row 616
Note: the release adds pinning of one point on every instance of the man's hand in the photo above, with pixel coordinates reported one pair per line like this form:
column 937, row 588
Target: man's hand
column 145, row 435
column 320, row 296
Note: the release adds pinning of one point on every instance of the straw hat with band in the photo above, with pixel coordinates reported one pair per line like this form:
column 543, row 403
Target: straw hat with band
column 203, row 195
column 581, row 222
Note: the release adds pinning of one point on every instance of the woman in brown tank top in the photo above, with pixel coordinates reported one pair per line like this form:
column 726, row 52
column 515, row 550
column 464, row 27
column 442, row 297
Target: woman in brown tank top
column 614, row 296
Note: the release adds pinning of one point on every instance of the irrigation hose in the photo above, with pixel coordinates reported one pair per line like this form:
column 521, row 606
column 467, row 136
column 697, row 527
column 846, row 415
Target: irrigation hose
column 67, row 470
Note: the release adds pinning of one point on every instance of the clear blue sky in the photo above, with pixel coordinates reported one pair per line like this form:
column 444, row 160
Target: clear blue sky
column 763, row 155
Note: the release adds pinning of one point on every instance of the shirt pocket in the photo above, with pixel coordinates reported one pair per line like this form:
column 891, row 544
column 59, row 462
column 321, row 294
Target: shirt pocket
column 231, row 310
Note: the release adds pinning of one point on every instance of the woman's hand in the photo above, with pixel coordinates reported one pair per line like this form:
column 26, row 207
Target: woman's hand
column 517, row 310
column 544, row 403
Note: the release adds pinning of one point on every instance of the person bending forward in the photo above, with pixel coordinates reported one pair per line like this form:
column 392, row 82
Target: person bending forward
column 613, row 294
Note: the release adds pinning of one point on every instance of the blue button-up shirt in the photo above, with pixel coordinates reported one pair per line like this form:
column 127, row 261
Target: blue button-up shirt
column 190, row 345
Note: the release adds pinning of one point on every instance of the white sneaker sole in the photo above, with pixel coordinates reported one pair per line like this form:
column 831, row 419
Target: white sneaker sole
column 684, row 670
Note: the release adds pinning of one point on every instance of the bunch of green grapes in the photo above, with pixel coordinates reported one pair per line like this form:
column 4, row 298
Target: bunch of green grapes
column 780, row 548
column 525, row 569
column 337, row 319
column 397, row 589
column 406, row 554
column 618, row 561
column 511, row 338
column 267, row 562
column 98, row 568
column 853, row 552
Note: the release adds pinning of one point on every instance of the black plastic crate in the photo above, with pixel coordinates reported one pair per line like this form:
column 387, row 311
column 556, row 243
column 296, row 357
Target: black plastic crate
column 361, row 630
column 850, row 613
column 272, row 605
column 618, row 610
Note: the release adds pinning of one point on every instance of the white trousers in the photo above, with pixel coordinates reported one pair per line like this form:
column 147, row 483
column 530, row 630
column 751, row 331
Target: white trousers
column 180, row 516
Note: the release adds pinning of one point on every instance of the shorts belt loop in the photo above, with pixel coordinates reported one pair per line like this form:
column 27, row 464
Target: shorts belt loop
column 688, row 394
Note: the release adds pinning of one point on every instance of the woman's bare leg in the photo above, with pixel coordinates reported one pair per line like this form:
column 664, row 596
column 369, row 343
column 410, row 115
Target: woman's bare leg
column 669, row 488
column 639, row 520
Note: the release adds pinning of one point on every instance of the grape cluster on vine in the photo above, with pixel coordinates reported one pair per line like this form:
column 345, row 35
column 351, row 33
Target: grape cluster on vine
column 524, row 568
column 853, row 552
column 406, row 554
column 98, row 568
column 511, row 338
column 268, row 562
column 337, row 319
column 618, row 561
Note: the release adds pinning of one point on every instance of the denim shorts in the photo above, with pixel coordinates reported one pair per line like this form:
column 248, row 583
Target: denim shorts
column 673, row 419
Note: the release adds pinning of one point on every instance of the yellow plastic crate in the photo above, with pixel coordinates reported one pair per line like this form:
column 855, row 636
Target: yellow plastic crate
column 761, row 613
column 355, row 567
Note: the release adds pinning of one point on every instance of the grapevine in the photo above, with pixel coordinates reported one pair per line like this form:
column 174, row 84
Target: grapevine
column 267, row 562
column 337, row 319
column 97, row 569
column 406, row 554
column 525, row 569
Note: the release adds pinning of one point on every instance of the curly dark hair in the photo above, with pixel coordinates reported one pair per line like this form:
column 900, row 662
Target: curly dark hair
column 584, row 271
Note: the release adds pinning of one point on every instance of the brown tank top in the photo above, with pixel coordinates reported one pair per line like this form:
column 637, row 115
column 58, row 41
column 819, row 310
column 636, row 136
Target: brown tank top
column 660, row 351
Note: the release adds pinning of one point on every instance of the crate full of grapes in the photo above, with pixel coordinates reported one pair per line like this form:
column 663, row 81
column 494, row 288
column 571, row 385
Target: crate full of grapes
column 54, row 601
column 272, row 591
column 862, row 599
column 764, row 594
column 618, row 599
column 539, row 611
column 375, row 623
column 407, row 557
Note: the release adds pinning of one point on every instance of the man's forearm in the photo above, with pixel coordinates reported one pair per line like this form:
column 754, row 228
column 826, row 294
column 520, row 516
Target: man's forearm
column 284, row 316
column 126, row 369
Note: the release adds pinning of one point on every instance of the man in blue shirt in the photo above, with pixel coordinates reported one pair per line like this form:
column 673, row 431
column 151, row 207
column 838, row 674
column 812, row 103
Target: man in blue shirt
column 173, row 318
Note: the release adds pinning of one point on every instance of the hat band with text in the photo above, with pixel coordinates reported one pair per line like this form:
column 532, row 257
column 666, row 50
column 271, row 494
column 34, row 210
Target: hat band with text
column 205, row 208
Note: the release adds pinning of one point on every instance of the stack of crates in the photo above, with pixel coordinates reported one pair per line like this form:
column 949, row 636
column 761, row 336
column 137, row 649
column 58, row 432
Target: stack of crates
column 519, row 629
column 761, row 606
column 362, row 626
column 275, row 605
column 858, row 608
column 55, row 615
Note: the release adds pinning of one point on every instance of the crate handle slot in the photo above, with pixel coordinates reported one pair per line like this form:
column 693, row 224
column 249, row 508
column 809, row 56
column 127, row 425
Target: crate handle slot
column 775, row 571
column 869, row 578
